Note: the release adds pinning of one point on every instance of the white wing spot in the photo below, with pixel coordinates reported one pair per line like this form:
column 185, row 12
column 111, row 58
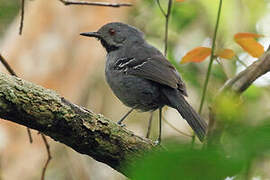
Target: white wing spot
column 135, row 67
column 126, row 63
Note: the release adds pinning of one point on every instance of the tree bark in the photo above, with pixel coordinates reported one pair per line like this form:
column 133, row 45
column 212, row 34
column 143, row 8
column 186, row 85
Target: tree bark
column 88, row 133
column 243, row 80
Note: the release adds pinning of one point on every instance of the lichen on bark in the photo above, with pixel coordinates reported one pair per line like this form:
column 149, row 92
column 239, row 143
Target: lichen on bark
column 86, row 132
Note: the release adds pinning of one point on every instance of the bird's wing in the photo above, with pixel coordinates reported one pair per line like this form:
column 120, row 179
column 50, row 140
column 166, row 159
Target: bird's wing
column 157, row 69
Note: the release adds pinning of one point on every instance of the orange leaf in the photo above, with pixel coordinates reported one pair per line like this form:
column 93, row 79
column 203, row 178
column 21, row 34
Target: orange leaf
column 251, row 46
column 246, row 35
column 196, row 55
column 179, row 0
column 226, row 54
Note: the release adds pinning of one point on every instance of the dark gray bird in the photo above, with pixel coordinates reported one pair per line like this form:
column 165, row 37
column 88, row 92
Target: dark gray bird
column 141, row 77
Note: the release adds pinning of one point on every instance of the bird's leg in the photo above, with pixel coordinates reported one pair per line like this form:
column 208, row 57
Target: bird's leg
column 160, row 118
column 124, row 117
column 149, row 125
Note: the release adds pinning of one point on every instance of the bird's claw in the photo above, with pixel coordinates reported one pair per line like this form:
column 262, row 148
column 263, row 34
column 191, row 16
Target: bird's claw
column 157, row 143
column 122, row 125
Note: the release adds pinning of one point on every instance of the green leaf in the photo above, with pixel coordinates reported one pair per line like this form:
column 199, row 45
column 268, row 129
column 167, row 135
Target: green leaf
column 182, row 162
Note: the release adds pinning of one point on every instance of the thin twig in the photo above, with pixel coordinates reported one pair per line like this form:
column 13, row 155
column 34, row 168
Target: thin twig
column 222, row 67
column 161, row 9
column 210, row 63
column 105, row 4
column 7, row 66
column 48, row 155
column 240, row 61
column 167, row 17
column 167, row 25
column 22, row 17
column 211, row 58
column 29, row 135
column 177, row 130
column 12, row 72
column 149, row 125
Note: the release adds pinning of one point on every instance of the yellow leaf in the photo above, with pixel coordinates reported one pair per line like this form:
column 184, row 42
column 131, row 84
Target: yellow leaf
column 196, row 55
column 226, row 54
column 248, row 42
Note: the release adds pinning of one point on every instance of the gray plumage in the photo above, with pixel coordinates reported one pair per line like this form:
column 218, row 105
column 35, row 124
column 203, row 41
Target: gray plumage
column 141, row 77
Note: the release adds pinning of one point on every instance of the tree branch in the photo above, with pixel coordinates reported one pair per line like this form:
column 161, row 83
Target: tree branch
column 237, row 85
column 22, row 17
column 244, row 79
column 38, row 108
column 66, row 2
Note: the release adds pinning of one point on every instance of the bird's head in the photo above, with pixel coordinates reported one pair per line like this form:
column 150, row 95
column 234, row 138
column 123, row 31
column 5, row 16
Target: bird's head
column 115, row 35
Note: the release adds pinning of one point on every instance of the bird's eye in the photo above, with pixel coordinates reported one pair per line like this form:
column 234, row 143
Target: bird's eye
column 112, row 32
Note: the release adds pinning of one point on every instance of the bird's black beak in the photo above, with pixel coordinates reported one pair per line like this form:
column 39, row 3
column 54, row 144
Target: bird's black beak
column 92, row 34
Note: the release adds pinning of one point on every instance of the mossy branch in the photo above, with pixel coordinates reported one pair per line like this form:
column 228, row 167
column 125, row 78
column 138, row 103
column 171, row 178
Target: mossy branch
column 44, row 110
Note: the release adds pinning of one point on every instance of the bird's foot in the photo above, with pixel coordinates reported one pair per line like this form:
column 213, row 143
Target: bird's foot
column 121, row 124
column 157, row 142
column 159, row 145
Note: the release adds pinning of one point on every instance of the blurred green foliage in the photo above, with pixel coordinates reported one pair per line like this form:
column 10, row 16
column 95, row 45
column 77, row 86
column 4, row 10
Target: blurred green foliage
column 182, row 162
column 8, row 10
column 253, row 93
column 183, row 15
column 218, row 73
column 243, row 146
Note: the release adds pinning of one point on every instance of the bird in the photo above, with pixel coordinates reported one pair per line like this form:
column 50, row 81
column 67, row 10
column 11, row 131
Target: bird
column 141, row 76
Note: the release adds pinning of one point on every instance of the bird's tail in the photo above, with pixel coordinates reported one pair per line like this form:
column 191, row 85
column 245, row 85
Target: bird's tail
column 177, row 101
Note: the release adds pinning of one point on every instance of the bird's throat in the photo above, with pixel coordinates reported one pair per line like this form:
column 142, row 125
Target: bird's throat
column 108, row 47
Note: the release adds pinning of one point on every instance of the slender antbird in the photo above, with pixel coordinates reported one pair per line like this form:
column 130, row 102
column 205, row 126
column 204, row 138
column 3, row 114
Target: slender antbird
column 141, row 77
